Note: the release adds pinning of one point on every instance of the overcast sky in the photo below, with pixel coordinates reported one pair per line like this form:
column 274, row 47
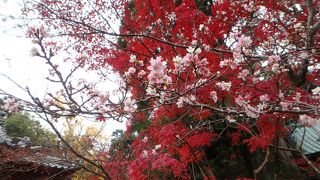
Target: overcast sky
column 15, row 60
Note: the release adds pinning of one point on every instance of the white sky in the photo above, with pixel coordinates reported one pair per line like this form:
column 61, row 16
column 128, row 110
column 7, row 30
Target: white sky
column 16, row 62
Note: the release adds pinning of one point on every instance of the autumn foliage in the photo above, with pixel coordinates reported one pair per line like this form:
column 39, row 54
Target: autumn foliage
column 206, row 86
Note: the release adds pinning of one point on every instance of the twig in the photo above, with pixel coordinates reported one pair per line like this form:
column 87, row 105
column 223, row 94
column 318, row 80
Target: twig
column 259, row 169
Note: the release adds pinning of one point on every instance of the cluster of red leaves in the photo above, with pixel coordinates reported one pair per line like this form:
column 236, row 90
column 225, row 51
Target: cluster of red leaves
column 147, row 167
column 301, row 163
column 181, row 146
column 268, row 126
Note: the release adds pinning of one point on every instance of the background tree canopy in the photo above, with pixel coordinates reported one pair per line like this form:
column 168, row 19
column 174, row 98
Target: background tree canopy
column 21, row 125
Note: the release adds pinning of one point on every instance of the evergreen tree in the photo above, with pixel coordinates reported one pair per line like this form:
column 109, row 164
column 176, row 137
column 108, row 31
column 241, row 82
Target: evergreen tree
column 22, row 125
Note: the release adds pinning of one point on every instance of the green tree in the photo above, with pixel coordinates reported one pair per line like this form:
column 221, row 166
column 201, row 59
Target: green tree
column 21, row 125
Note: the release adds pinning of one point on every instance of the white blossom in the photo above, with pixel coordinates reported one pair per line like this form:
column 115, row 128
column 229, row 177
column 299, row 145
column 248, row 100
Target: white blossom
column 225, row 86
column 145, row 139
column 133, row 58
column 193, row 50
column 158, row 146
column 192, row 98
column 261, row 106
column 178, row 64
column 180, row 102
column 297, row 26
column 316, row 91
column 84, row 55
column 144, row 153
column 140, row 63
column 297, row 97
column 151, row 91
column 304, row 55
column 201, row 26
column 172, row 16
column 275, row 68
column 230, row 119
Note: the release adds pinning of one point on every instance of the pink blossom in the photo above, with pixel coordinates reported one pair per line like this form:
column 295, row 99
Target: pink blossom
column 154, row 152
column 307, row 120
column 297, row 97
column 273, row 59
column 131, row 70
column 251, row 112
column 157, row 66
column 11, row 105
column 224, row 63
column 49, row 102
column 157, row 72
column 243, row 74
column 141, row 73
column 213, row 96
column 284, row 105
column 145, row 139
column 243, row 42
column 240, row 101
column 228, row 62
column 281, row 95
column 188, row 58
column 264, row 98
column 241, row 47
column 233, row 65
column 129, row 105
column 144, row 154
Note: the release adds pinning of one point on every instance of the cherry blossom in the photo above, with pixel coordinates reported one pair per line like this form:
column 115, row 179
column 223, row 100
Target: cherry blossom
column 243, row 74
column 316, row 91
column 129, row 105
column 11, row 105
column 213, row 96
column 225, row 86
